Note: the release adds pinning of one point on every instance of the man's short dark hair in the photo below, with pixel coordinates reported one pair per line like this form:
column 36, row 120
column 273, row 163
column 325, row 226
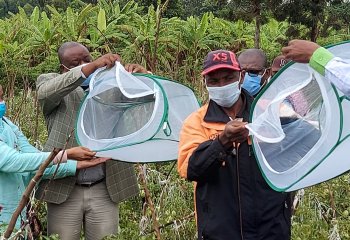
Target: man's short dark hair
column 65, row 46
column 254, row 52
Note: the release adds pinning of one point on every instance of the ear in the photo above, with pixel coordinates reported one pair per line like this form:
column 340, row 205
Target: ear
column 241, row 78
column 266, row 76
column 268, row 72
column 204, row 79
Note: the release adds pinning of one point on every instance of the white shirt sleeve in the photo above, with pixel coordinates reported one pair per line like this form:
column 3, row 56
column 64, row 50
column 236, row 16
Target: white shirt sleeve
column 337, row 71
column 82, row 74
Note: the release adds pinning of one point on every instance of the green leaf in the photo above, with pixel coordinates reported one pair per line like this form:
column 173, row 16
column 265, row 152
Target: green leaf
column 101, row 20
column 34, row 18
column 70, row 20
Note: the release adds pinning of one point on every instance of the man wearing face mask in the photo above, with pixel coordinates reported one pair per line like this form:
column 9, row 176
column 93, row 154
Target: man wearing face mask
column 90, row 198
column 232, row 199
column 254, row 67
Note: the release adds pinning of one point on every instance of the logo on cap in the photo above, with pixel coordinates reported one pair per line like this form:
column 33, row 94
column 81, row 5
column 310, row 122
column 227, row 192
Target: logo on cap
column 220, row 57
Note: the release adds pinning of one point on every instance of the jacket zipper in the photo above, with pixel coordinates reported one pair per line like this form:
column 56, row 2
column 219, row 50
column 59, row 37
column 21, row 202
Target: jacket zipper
column 236, row 146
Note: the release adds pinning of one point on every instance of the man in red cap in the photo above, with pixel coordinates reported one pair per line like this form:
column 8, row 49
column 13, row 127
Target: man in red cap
column 232, row 199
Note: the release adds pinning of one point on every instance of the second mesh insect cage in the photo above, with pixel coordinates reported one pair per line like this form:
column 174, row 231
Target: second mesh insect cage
column 300, row 126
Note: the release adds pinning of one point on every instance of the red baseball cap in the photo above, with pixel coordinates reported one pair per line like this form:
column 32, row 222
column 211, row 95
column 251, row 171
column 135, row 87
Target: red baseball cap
column 220, row 59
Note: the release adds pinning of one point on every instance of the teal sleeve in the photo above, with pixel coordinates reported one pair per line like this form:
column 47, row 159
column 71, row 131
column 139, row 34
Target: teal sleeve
column 16, row 162
column 319, row 59
column 66, row 169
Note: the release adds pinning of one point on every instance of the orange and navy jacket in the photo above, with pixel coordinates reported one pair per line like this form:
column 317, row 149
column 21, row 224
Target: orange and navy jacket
column 232, row 199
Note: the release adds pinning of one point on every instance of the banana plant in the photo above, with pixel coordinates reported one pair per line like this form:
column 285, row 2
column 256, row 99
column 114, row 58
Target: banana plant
column 273, row 37
column 73, row 23
column 198, row 37
column 42, row 35
column 153, row 40
column 106, row 33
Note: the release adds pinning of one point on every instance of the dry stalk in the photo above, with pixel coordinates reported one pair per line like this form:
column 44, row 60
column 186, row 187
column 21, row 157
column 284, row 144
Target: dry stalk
column 148, row 197
column 173, row 221
column 332, row 202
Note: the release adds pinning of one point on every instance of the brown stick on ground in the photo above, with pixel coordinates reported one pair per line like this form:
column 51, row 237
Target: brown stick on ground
column 27, row 193
column 173, row 222
column 150, row 203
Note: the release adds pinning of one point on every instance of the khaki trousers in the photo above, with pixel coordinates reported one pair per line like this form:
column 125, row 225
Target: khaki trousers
column 87, row 206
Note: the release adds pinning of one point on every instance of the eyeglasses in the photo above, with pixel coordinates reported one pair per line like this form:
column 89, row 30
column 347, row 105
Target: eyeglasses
column 255, row 73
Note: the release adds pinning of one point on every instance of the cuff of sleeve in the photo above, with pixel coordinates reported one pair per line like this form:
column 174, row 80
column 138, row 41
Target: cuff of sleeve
column 82, row 74
column 320, row 58
column 221, row 150
column 78, row 73
column 71, row 167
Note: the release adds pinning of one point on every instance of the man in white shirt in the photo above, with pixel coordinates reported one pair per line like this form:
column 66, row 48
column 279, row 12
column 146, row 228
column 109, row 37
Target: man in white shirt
column 335, row 70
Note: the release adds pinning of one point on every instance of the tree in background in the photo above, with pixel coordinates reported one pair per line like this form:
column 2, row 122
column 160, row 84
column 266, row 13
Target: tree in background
column 339, row 16
column 175, row 8
column 7, row 6
column 256, row 11
column 317, row 15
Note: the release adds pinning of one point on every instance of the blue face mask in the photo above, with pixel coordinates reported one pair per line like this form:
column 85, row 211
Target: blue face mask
column 85, row 84
column 2, row 109
column 252, row 84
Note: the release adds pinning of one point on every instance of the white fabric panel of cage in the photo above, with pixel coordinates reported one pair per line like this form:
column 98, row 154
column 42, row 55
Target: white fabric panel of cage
column 122, row 112
column 154, row 150
column 117, row 76
column 181, row 103
column 338, row 160
column 296, row 126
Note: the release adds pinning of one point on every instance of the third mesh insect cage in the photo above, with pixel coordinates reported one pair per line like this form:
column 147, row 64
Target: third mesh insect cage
column 133, row 117
column 301, row 126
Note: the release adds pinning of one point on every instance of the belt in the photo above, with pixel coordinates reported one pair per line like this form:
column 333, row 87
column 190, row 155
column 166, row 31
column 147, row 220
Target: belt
column 90, row 184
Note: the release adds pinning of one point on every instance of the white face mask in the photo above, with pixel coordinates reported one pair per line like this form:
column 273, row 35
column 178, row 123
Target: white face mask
column 225, row 96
